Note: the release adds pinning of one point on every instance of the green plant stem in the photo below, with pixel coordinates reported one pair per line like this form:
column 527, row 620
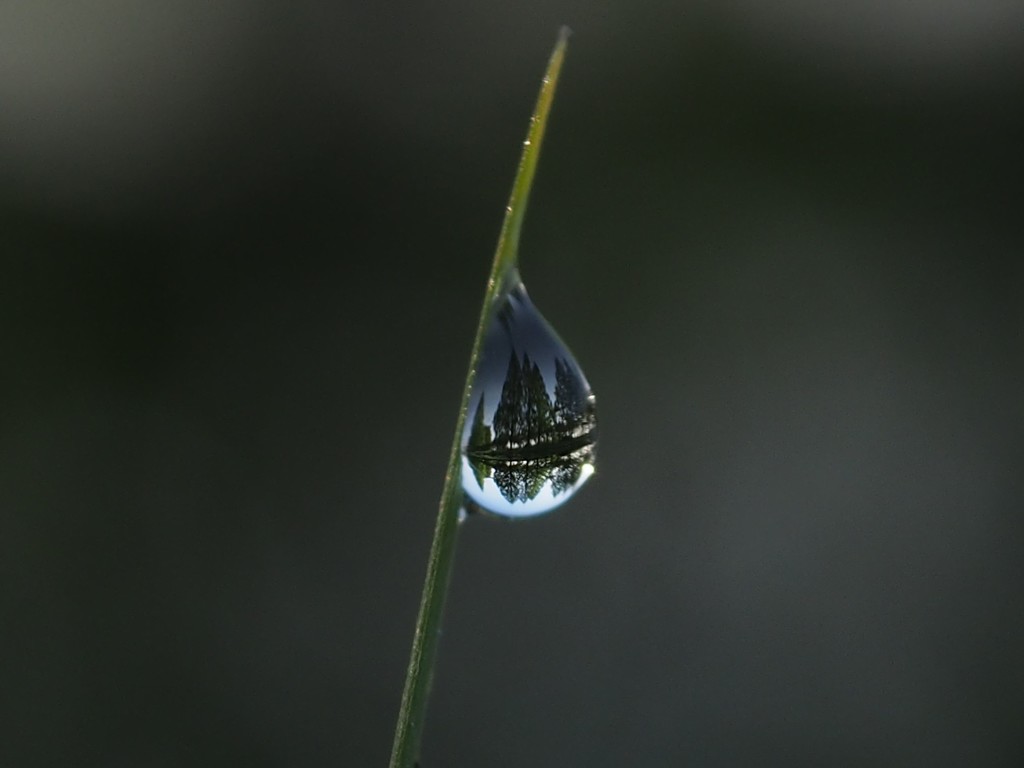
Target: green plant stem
column 411, row 714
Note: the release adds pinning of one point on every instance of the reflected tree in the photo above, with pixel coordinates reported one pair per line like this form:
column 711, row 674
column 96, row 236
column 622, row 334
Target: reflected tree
column 532, row 441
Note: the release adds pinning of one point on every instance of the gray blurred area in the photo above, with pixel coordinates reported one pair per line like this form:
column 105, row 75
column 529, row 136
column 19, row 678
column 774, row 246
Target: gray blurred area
column 242, row 250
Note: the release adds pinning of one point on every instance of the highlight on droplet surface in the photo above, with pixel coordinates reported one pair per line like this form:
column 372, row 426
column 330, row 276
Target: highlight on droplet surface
column 530, row 437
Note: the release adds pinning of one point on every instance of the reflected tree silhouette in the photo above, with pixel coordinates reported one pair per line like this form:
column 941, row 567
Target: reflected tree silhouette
column 532, row 441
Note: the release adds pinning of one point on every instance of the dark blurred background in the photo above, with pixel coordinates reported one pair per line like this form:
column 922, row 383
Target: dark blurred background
column 242, row 250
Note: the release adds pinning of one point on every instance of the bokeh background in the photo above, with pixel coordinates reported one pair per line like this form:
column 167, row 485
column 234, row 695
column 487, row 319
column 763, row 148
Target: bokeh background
column 242, row 250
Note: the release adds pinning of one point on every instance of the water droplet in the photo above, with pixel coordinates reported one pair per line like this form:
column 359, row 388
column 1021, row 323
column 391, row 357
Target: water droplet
column 531, row 430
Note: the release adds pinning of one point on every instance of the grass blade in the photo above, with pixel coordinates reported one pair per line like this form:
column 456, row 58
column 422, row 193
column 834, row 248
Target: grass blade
column 411, row 714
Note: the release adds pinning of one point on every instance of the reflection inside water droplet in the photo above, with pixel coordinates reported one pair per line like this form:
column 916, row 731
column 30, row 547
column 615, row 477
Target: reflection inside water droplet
column 531, row 432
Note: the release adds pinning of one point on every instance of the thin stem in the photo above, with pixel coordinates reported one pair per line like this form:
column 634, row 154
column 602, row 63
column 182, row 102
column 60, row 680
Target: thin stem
column 411, row 714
